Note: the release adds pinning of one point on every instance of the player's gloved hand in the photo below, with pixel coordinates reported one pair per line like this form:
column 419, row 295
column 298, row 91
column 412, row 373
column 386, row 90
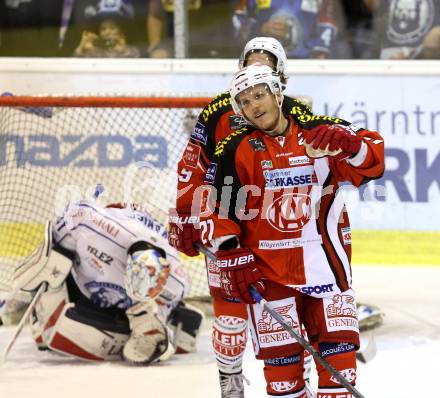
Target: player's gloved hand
column 183, row 231
column 331, row 140
column 237, row 272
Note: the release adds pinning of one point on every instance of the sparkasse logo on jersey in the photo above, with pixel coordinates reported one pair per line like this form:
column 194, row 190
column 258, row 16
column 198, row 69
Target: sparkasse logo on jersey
column 290, row 177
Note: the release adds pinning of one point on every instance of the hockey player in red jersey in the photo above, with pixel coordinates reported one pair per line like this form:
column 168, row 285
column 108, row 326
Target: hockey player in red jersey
column 216, row 121
column 279, row 222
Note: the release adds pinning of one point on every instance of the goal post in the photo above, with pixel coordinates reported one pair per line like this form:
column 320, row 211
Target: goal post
column 55, row 150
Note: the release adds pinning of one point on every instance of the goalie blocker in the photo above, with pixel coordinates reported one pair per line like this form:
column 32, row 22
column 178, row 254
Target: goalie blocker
column 66, row 321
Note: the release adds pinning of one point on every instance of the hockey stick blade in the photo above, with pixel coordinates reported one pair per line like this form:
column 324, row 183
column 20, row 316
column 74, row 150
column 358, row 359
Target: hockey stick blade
column 22, row 322
column 368, row 352
column 301, row 340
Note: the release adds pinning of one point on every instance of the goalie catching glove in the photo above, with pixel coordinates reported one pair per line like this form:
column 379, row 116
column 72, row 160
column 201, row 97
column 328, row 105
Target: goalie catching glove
column 331, row 140
column 238, row 272
column 184, row 232
column 149, row 339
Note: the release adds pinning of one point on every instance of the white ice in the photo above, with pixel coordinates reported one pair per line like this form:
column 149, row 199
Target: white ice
column 406, row 365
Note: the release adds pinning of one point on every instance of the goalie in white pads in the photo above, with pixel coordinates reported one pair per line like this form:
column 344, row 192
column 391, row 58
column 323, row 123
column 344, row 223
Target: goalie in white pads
column 115, row 287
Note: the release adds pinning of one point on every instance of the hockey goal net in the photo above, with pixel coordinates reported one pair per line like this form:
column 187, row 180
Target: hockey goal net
column 55, row 150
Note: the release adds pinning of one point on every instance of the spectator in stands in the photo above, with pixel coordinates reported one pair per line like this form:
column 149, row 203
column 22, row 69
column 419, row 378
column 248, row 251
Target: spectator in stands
column 360, row 40
column 109, row 40
column 408, row 29
column 160, row 26
column 160, row 29
column 307, row 29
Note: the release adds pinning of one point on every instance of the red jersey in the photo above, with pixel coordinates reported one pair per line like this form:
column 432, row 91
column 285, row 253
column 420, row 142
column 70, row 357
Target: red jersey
column 288, row 208
column 215, row 122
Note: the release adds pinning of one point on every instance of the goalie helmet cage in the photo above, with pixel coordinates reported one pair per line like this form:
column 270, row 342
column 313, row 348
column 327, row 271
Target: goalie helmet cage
column 55, row 150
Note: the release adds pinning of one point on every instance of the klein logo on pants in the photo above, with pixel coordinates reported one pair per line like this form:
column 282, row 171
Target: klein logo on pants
column 229, row 337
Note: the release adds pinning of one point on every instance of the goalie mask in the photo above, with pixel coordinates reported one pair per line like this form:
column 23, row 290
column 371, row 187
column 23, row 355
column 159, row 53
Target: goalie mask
column 252, row 76
column 146, row 274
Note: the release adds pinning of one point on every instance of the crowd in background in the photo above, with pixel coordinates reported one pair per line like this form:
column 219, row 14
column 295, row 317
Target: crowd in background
column 334, row 29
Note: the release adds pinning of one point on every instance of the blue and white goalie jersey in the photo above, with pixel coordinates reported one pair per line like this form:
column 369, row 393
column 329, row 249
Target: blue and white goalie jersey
column 100, row 238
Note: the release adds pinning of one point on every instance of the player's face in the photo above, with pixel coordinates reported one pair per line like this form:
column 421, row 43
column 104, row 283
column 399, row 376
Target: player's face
column 262, row 58
column 259, row 106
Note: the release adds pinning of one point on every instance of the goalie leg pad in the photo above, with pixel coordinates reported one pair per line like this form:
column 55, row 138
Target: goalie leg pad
column 46, row 313
column 185, row 322
column 87, row 334
column 43, row 265
column 149, row 339
column 34, row 264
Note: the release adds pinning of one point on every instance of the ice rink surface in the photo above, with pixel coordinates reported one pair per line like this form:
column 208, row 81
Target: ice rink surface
column 406, row 364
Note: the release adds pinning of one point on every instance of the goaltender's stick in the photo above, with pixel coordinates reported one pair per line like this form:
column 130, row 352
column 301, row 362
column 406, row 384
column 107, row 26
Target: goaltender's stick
column 301, row 340
column 23, row 320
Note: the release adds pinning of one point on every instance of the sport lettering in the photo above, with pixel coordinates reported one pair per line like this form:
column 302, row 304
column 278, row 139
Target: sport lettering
column 318, row 289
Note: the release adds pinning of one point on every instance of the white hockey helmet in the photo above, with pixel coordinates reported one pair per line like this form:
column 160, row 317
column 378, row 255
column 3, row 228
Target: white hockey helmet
column 269, row 44
column 251, row 76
